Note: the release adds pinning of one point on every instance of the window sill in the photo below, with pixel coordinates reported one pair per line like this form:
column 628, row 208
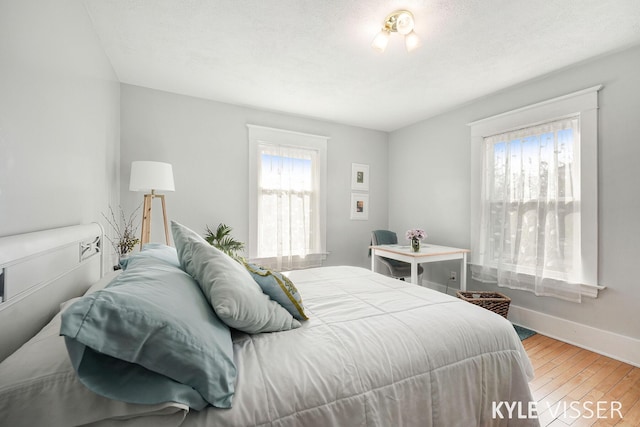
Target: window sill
column 586, row 290
column 591, row 291
column 294, row 262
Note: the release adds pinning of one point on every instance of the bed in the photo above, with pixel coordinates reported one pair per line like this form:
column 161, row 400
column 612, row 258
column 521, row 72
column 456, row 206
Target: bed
column 374, row 351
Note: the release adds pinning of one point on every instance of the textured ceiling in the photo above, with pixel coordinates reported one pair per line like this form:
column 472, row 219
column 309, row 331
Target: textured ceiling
column 313, row 58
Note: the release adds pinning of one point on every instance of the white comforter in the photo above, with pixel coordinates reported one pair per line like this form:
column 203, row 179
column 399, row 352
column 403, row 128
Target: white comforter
column 377, row 352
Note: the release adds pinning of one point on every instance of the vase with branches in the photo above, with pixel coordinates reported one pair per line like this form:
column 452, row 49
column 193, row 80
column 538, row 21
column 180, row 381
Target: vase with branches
column 125, row 231
column 221, row 238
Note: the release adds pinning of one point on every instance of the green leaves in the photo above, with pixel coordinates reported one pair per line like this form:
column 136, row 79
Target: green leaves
column 221, row 238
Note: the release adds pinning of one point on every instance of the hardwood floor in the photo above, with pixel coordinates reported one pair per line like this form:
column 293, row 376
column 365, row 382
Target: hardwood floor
column 576, row 387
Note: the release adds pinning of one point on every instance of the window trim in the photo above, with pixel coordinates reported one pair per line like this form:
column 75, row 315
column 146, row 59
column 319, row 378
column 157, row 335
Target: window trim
column 261, row 134
column 583, row 103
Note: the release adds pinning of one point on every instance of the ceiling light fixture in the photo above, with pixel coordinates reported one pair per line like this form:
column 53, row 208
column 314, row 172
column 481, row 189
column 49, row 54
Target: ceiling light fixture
column 400, row 21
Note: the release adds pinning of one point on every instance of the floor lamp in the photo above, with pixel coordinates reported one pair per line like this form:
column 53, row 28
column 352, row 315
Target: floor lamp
column 151, row 177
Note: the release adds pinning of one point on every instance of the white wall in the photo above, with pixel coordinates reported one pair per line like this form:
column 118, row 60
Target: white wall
column 207, row 144
column 59, row 118
column 435, row 193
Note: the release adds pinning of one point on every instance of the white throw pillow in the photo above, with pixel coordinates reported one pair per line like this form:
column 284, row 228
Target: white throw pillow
column 235, row 297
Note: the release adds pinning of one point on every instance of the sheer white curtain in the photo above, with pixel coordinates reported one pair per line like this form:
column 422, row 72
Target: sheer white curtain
column 288, row 223
column 530, row 222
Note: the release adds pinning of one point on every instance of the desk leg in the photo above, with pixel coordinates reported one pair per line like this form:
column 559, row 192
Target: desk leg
column 463, row 273
column 414, row 271
column 373, row 260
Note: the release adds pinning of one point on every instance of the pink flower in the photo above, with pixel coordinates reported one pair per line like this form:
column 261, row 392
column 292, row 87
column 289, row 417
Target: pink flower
column 416, row 234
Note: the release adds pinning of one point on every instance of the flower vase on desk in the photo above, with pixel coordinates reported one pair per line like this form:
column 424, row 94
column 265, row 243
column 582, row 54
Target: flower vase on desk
column 414, row 236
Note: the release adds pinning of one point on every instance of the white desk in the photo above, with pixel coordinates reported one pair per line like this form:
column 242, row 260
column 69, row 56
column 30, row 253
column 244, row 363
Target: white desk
column 428, row 253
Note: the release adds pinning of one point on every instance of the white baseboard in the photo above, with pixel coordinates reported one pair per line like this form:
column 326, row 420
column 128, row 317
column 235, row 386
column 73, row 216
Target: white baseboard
column 610, row 344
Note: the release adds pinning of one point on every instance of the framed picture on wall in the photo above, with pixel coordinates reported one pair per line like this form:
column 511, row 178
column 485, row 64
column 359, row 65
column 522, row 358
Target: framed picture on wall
column 359, row 206
column 359, row 177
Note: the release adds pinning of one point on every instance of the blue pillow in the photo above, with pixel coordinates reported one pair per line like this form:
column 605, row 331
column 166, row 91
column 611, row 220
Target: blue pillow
column 154, row 250
column 151, row 337
column 279, row 288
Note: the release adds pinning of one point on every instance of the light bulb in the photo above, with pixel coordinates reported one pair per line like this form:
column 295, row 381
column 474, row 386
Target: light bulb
column 412, row 41
column 381, row 40
column 404, row 23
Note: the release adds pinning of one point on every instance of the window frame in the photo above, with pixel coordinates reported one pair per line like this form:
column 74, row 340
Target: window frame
column 258, row 135
column 583, row 103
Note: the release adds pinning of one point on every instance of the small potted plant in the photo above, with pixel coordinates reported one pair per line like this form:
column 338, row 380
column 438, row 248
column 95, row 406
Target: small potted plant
column 124, row 239
column 222, row 239
column 414, row 236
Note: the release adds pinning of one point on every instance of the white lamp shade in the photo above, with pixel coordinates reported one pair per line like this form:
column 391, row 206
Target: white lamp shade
column 381, row 40
column 147, row 176
column 404, row 23
column 412, row 41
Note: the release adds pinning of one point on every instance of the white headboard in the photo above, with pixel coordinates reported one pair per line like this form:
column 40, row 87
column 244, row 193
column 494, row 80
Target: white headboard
column 40, row 270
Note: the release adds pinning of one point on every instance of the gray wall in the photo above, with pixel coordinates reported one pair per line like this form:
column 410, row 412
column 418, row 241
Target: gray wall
column 435, row 193
column 59, row 118
column 206, row 142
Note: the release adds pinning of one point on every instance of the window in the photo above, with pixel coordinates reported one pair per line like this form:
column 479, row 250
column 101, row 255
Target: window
column 534, row 198
column 287, row 198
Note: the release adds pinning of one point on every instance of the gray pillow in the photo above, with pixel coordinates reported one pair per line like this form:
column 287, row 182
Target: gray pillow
column 235, row 297
column 151, row 337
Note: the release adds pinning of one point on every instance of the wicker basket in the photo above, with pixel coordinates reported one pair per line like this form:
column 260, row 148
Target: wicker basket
column 493, row 301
